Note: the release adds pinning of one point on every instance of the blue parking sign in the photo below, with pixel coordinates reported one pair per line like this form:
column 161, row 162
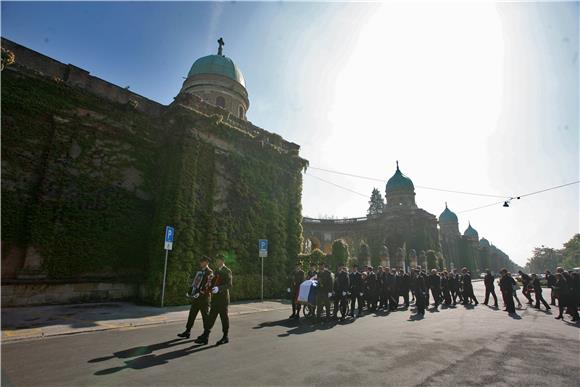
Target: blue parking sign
column 263, row 247
column 169, row 234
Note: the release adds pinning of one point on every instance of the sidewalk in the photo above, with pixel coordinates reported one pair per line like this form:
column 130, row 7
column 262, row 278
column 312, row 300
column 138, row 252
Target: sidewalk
column 25, row 323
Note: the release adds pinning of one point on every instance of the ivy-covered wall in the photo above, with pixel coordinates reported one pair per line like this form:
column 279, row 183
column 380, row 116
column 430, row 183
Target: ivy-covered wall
column 88, row 186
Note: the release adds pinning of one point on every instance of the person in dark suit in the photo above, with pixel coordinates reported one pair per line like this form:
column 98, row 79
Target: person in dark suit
column 506, row 286
column 445, row 287
column 390, row 290
column 420, row 289
column 403, row 285
column 538, row 292
column 527, row 285
column 468, row 294
column 562, row 291
column 200, row 294
column 221, row 284
column 489, row 287
column 435, row 286
column 296, row 278
column 373, row 290
column 341, row 289
column 551, row 280
column 453, row 286
column 356, row 290
column 324, row 292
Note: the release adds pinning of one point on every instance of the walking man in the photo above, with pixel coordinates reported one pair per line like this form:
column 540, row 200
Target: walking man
column 221, row 284
column 489, row 287
column 199, row 295
column 506, row 284
column 538, row 292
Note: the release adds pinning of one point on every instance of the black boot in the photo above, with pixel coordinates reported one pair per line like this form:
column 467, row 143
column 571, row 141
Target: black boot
column 223, row 340
column 185, row 335
column 202, row 339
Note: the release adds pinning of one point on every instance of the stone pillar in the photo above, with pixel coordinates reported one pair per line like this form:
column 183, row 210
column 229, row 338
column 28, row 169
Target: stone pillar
column 413, row 258
column 385, row 259
column 400, row 258
column 423, row 259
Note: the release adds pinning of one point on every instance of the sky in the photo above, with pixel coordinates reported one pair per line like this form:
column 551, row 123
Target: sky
column 476, row 97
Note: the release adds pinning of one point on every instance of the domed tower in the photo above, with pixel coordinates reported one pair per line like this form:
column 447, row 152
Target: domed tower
column 218, row 81
column 400, row 191
column 448, row 222
column 471, row 233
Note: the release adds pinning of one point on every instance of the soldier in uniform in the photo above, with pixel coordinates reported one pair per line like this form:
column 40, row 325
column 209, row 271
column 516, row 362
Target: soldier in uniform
column 200, row 294
column 221, row 284
column 324, row 291
column 403, row 284
column 538, row 292
column 312, row 272
column 341, row 289
column 445, row 287
column 420, row 289
column 467, row 288
column 296, row 279
column 489, row 287
column 435, row 286
column 356, row 290
column 373, row 290
column 551, row 280
column 506, row 284
column 526, row 281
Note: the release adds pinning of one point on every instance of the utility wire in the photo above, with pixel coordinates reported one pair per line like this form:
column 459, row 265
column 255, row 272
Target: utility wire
column 521, row 196
column 416, row 186
column 509, row 199
column 339, row 186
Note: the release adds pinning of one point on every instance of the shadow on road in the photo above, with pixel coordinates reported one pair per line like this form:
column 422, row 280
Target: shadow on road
column 142, row 350
column 146, row 359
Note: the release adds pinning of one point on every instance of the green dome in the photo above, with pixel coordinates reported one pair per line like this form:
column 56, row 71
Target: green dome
column 448, row 216
column 471, row 232
column 217, row 64
column 484, row 243
column 400, row 182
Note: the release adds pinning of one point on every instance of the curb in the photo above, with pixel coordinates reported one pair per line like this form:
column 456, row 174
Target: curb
column 32, row 334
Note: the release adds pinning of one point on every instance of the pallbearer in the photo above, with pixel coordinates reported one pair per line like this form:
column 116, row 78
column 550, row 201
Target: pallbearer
column 199, row 295
column 297, row 277
column 220, row 288
column 356, row 290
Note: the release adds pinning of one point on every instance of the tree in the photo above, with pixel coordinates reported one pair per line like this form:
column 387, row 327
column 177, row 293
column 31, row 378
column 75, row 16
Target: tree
column 376, row 204
column 363, row 253
column 440, row 261
column 571, row 253
column 431, row 259
column 339, row 256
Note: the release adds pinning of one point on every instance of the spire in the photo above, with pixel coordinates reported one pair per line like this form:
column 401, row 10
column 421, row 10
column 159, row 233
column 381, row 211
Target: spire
column 221, row 46
column 445, row 204
column 397, row 165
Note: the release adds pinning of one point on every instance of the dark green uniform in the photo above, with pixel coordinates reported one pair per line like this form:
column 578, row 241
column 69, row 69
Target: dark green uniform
column 200, row 293
column 222, row 279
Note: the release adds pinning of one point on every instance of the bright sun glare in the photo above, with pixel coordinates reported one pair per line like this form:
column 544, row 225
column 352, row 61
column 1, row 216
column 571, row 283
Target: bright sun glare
column 434, row 70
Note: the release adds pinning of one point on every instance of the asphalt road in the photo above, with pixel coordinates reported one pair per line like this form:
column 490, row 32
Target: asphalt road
column 456, row 346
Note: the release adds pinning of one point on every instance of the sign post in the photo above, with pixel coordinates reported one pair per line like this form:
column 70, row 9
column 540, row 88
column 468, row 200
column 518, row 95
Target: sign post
column 263, row 249
column 169, row 231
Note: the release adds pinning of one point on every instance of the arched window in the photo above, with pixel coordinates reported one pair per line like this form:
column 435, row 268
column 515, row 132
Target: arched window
column 240, row 112
column 220, row 101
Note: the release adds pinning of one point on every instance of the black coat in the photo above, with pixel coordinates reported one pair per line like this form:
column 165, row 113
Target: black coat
column 342, row 283
column 488, row 281
column 356, row 285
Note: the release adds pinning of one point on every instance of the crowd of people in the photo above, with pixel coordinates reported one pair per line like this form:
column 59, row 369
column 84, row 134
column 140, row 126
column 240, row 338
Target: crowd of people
column 354, row 292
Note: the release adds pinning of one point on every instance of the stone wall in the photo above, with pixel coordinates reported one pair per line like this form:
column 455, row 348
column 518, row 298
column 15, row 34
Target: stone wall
column 35, row 293
column 92, row 173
